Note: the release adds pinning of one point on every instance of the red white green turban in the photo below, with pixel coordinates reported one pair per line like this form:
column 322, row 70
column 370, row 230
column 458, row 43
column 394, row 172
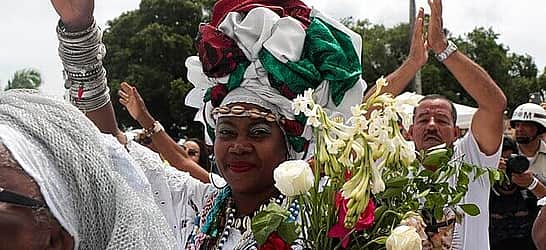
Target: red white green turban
column 266, row 52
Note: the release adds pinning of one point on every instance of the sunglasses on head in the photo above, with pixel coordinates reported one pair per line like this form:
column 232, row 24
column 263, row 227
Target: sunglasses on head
column 20, row 200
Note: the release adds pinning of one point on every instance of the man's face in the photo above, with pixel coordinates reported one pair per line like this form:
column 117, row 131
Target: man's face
column 433, row 124
column 526, row 132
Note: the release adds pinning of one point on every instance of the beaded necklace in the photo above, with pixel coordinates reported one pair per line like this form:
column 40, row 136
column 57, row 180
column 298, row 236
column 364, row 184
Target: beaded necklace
column 206, row 233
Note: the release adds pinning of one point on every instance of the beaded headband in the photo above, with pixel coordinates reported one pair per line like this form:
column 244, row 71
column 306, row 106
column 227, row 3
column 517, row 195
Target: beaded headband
column 240, row 111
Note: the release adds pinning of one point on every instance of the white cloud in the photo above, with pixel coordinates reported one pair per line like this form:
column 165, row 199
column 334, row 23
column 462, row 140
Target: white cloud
column 28, row 39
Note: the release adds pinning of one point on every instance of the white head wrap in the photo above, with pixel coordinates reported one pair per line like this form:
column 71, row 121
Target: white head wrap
column 63, row 152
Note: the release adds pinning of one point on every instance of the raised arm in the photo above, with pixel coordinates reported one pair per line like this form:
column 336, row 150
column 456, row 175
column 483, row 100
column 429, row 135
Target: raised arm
column 76, row 15
column 131, row 99
column 77, row 23
column 487, row 123
column 418, row 56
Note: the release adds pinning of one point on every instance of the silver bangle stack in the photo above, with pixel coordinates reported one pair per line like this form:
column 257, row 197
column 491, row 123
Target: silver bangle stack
column 85, row 78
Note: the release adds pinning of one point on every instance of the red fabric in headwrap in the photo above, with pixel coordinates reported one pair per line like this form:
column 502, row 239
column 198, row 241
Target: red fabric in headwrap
column 218, row 53
column 294, row 8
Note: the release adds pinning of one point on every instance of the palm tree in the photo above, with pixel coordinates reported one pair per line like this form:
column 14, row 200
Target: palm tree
column 25, row 79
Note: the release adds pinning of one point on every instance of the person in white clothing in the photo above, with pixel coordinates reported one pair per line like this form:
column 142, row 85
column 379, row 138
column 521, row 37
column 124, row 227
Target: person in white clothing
column 435, row 117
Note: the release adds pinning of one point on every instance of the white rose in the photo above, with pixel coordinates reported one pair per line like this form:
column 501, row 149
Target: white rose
column 293, row 177
column 404, row 238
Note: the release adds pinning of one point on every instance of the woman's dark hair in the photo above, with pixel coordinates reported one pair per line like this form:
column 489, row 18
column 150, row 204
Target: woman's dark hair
column 204, row 161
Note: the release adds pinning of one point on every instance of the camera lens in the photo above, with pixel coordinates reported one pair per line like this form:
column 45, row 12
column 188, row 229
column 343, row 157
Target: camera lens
column 517, row 164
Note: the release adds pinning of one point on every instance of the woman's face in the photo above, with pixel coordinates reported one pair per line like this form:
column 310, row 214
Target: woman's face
column 24, row 227
column 193, row 150
column 18, row 228
column 247, row 151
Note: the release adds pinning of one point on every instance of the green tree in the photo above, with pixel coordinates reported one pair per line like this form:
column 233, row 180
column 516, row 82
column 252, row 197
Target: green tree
column 383, row 49
column 147, row 47
column 542, row 79
column 25, row 79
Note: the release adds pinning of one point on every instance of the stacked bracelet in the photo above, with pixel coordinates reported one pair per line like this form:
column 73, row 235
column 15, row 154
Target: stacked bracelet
column 85, row 78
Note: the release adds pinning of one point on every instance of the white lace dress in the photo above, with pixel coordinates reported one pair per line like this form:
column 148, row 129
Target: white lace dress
column 179, row 196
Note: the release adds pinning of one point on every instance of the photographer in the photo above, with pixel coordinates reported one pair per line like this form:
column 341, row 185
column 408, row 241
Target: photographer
column 511, row 212
column 529, row 121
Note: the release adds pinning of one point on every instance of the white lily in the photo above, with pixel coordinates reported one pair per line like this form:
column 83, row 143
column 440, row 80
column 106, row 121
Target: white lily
column 333, row 145
column 313, row 117
column 377, row 180
column 407, row 153
column 308, row 95
column 300, row 105
column 342, row 131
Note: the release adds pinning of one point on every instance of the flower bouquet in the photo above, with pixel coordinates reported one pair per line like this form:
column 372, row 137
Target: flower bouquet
column 365, row 188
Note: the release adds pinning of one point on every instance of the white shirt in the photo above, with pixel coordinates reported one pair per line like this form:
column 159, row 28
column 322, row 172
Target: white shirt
column 474, row 230
column 538, row 162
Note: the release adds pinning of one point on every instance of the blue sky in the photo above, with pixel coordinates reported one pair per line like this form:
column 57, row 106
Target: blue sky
column 28, row 39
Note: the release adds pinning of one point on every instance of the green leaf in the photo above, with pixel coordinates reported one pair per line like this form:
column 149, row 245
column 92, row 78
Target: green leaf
column 494, row 175
column 438, row 212
column 423, row 194
column 379, row 211
column 437, row 157
column 399, row 181
column 391, row 192
column 463, row 179
column 457, row 198
column 470, row 209
column 289, row 231
column 436, row 198
column 268, row 221
column 466, row 167
column 479, row 172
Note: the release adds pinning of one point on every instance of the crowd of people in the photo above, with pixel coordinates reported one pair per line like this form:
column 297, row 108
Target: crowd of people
column 71, row 179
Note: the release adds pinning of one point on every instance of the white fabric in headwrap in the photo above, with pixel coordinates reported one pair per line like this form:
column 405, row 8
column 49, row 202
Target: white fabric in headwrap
column 263, row 28
column 68, row 158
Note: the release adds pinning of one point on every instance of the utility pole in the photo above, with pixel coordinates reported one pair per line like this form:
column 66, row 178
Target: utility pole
column 416, row 82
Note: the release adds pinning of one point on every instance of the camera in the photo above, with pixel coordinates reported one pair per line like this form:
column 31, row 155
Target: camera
column 516, row 164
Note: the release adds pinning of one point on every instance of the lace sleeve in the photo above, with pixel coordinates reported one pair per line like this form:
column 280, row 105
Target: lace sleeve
column 178, row 195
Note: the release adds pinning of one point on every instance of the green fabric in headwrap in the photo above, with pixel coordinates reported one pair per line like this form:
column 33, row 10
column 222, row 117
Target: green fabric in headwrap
column 234, row 81
column 297, row 142
column 207, row 95
column 328, row 54
column 236, row 77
